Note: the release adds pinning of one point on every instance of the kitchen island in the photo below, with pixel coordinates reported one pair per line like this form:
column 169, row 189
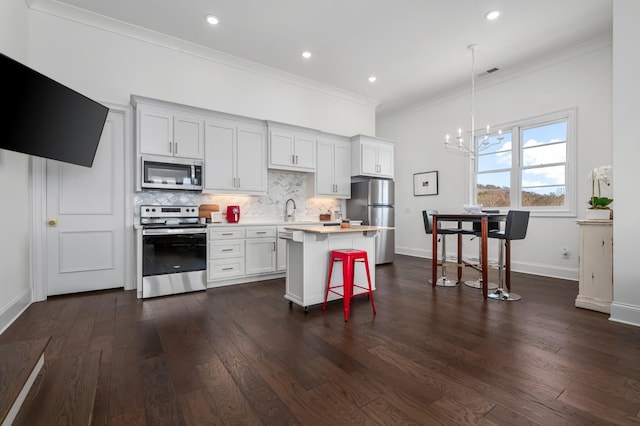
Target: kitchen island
column 308, row 253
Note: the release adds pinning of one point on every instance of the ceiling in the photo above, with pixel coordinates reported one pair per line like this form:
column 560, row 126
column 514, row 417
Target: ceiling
column 415, row 48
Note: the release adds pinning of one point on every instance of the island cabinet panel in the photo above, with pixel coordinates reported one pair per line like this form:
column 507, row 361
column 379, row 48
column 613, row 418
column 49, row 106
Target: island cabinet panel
column 308, row 255
column 595, row 285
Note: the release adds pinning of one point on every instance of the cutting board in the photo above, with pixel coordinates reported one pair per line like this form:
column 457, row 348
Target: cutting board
column 206, row 209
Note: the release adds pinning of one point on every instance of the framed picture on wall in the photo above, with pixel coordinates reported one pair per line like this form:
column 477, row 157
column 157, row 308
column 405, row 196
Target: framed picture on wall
column 425, row 183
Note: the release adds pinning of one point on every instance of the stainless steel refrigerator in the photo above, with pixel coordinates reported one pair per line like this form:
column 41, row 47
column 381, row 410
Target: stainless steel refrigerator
column 372, row 203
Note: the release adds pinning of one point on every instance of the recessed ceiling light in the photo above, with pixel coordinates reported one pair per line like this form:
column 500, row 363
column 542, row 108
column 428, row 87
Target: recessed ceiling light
column 372, row 79
column 306, row 54
column 493, row 15
column 213, row 20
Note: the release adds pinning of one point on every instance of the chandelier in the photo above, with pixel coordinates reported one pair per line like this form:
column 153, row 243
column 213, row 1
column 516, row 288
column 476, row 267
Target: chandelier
column 470, row 147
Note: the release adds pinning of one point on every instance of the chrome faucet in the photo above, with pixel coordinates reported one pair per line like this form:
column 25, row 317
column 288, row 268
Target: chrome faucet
column 288, row 216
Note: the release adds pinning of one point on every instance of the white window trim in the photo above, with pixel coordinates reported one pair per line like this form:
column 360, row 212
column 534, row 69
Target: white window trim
column 570, row 208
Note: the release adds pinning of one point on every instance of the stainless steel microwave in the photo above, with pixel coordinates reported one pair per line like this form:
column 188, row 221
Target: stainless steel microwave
column 172, row 173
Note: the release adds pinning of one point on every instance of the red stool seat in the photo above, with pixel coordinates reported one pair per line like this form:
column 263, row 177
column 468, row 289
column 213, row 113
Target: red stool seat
column 349, row 257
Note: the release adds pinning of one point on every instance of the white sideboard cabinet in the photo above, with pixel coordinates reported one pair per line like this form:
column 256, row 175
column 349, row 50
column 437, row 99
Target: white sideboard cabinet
column 596, row 265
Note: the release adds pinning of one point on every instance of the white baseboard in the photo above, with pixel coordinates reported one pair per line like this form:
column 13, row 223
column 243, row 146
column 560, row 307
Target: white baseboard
column 14, row 309
column 625, row 313
column 524, row 267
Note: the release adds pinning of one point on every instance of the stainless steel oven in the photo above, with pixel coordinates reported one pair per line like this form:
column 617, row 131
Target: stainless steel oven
column 174, row 250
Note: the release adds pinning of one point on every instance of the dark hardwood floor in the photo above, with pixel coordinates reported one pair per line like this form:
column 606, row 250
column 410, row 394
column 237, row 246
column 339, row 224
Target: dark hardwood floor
column 241, row 355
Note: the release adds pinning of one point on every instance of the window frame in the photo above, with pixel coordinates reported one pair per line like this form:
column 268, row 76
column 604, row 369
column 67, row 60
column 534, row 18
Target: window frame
column 516, row 128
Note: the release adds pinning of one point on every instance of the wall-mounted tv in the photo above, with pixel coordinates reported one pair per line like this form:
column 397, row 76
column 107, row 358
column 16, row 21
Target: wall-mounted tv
column 47, row 119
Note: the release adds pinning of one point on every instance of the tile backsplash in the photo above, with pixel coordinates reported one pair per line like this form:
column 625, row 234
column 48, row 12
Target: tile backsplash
column 281, row 186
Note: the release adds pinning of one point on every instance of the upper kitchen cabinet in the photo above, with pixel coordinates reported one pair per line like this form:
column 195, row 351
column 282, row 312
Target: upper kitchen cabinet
column 333, row 171
column 235, row 157
column 167, row 131
column 291, row 148
column 372, row 157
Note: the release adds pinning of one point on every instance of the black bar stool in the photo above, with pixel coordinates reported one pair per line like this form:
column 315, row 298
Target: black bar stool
column 477, row 232
column 427, row 216
column 515, row 229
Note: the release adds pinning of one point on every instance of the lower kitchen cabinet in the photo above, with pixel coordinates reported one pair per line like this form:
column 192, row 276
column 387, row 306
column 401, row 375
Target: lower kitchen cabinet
column 226, row 253
column 239, row 254
column 260, row 250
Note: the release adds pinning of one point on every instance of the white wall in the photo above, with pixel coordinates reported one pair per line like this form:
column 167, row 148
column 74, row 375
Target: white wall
column 580, row 78
column 626, row 146
column 15, row 287
column 110, row 66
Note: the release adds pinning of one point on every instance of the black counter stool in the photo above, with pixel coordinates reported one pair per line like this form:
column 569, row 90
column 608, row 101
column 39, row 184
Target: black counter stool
column 427, row 216
column 515, row 229
column 477, row 232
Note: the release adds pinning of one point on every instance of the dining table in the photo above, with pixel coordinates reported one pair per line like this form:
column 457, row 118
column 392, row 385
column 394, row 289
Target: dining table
column 460, row 218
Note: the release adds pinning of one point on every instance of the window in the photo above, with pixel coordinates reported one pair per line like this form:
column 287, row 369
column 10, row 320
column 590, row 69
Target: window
column 529, row 165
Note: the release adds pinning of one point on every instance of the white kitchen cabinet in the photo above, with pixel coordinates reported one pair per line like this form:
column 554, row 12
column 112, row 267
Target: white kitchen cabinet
column 291, row 149
column 333, row 167
column 239, row 254
column 595, row 285
column 235, row 158
column 168, row 132
column 226, row 253
column 372, row 157
column 260, row 250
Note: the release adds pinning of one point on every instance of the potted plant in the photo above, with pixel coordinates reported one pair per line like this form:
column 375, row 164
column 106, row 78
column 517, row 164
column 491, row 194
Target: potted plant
column 599, row 205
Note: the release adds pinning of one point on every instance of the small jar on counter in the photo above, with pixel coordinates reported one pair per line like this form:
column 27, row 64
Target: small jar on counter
column 345, row 224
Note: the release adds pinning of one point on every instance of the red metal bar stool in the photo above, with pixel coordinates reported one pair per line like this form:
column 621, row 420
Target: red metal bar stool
column 348, row 257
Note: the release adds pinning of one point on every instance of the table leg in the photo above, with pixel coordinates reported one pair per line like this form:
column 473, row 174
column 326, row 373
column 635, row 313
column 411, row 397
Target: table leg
column 459, row 253
column 434, row 252
column 484, row 232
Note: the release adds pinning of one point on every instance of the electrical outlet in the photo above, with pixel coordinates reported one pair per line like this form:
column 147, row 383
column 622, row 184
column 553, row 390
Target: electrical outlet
column 565, row 253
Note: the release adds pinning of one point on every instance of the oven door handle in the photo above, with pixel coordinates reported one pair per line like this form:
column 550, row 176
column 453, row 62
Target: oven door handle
column 174, row 231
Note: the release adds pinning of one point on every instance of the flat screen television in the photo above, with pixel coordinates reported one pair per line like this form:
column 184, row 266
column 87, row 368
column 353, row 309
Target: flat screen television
column 47, row 119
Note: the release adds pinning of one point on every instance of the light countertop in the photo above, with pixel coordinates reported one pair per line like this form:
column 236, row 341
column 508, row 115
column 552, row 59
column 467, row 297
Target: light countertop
column 335, row 229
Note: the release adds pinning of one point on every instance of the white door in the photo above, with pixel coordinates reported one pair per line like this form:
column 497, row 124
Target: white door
column 85, row 211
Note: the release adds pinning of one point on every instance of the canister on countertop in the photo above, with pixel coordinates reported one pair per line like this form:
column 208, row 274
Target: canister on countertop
column 345, row 224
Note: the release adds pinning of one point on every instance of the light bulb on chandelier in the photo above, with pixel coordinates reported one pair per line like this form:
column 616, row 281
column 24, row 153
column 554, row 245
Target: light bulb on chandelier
column 470, row 148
